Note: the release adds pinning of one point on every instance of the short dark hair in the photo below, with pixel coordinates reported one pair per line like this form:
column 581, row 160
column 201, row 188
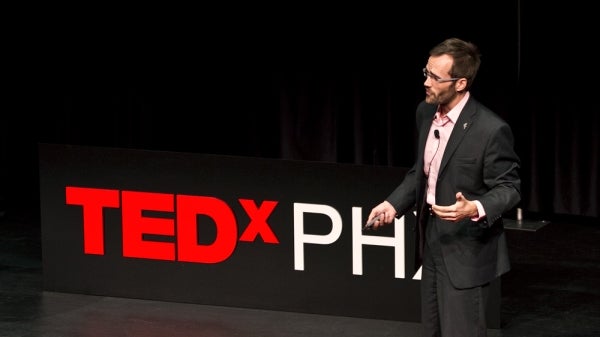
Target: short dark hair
column 466, row 58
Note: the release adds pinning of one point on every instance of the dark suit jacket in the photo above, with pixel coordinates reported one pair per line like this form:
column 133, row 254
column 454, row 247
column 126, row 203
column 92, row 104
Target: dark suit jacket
column 480, row 162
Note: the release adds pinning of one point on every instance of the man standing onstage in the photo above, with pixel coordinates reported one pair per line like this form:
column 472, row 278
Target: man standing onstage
column 464, row 179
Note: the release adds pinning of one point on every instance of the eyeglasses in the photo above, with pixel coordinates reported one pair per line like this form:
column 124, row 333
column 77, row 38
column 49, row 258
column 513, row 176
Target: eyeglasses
column 438, row 79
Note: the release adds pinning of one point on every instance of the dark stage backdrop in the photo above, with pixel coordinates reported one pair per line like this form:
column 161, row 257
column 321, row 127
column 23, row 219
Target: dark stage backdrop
column 304, row 83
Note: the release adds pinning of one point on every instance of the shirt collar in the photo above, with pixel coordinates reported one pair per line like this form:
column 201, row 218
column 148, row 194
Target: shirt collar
column 455, row 112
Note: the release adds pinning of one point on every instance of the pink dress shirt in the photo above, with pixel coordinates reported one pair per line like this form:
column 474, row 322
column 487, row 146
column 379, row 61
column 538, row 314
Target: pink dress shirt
column 434, row 150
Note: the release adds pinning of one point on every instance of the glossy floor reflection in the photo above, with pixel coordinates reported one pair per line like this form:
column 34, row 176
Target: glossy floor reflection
column 552, row 290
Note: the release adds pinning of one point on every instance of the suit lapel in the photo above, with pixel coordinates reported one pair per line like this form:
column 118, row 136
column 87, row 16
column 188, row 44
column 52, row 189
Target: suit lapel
column 424, row 133
column 462, row 126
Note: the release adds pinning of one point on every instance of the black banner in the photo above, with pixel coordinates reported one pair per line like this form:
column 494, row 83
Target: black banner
column 224, row 230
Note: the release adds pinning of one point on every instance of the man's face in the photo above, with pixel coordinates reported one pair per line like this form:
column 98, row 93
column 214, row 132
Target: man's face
column 440, row 87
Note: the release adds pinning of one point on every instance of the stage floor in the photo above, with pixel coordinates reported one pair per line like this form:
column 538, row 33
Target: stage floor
column 552, row 290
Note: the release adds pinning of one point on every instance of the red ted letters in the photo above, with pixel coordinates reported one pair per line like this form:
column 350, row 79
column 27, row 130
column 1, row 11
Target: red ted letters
column 184, row 227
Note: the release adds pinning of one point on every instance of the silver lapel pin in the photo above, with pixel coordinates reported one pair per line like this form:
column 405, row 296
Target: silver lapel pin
column 465, row 125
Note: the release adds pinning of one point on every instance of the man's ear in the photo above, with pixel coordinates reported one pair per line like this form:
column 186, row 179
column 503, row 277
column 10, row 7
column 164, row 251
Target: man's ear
column 461, row 84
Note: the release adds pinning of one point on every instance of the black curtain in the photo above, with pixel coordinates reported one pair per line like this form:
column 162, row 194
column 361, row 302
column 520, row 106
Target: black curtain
column 558, row 125
column 336, row 85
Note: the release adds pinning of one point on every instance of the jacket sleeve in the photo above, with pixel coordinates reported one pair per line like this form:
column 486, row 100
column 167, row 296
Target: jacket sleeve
column 500, row 174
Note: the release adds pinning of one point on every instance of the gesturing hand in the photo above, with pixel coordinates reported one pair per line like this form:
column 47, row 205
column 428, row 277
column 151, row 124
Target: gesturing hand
column 462, row 208
column 380, row 215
